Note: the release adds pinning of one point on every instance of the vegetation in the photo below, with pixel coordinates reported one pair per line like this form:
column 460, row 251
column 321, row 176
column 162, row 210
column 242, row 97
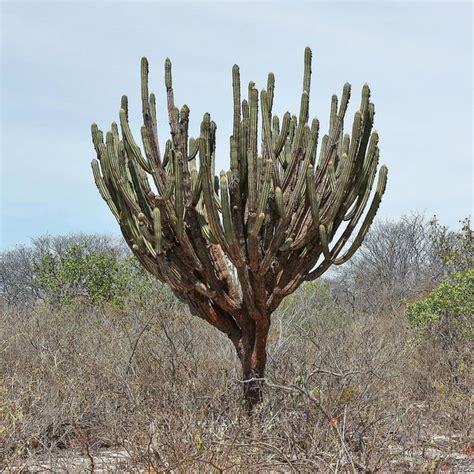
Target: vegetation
column 453, row 298
column 270, row 220
column 356, row 385
column 96, row 278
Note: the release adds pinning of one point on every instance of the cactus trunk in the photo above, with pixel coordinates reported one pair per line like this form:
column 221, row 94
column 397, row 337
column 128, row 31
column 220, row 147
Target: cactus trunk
column 252, row 351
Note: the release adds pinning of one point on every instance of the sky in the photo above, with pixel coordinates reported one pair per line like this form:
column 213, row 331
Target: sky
column 65, row 65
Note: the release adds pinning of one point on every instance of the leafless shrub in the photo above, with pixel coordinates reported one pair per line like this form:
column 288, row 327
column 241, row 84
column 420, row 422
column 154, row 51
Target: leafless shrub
column 346, row 392
column 144, row 387
column 401, row 260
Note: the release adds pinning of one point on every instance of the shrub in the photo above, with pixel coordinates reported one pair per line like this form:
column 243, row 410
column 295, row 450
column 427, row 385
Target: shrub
column 443, row 325
column 455, row 249
column 453, row 299
column 19, row 283
column 95, row 277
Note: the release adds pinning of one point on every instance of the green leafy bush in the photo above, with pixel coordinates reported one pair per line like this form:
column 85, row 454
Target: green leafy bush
column 453, row 298
column 91, row 277
column 443, row 322
column 454, row 249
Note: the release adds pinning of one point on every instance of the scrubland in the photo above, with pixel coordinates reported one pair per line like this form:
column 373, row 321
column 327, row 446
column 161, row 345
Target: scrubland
column 369, row 369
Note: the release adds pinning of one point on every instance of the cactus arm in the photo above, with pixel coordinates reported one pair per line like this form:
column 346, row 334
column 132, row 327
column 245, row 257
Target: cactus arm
column 262, row 202
column 183, row 149
column 364, row 177
column 257, row 224
column 179, row 195
column 157, row 174
column 279, row 203
column 193, row 149
column 124, row 105
column 285, row 127
column 104, row 192
column 296, row 147
column 149, row 117
column 267, row 146
column 236, row 100
column 130, row 142
column 226, row 213
column 208, row 186
column 323, row 234
column 270, row 92
column 308, row 56
column 173, row 113
column 157, row 230
column 333, row 114
column 312, row 198
column 252, row 149
column 369, row 218
column 275, row 126
column 197, row 188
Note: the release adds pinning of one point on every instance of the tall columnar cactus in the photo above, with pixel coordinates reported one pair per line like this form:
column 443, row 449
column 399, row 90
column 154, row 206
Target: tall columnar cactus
column 282, row 215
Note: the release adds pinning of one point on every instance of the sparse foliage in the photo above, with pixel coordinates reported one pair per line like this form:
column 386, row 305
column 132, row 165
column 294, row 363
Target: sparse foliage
column 401, row 260
column 351, row 390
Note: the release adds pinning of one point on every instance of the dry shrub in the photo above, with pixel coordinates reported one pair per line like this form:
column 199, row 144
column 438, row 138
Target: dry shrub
column 345, row 391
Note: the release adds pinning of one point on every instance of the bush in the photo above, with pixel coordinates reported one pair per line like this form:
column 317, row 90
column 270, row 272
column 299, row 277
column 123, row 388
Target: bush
column 453, row 299
column 443, row 325
column 19, row 285
column 156, row 382
column 76, row 273
column 79, row 274
column 117, row 363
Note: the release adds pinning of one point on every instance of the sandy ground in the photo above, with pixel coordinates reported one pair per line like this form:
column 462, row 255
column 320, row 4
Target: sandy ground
column 119, row 461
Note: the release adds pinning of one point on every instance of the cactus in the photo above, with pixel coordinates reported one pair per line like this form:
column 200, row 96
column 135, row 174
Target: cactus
column 282, row 215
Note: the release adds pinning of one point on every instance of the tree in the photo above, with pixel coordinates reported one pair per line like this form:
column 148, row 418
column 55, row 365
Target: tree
column 454, row 297
column 454, row 249
column 268, row 220
column 17, row 285
column 401, row 260
column 445, row 317
column 79, row 274
column 19, row 282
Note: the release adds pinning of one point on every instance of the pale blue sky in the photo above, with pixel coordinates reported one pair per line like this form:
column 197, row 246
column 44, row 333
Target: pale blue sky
column 65, row 65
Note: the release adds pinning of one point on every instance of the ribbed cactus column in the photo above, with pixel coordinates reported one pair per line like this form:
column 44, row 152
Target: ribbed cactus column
column 272, row 219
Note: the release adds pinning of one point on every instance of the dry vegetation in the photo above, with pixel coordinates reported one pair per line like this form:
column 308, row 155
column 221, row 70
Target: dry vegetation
column 351, row 386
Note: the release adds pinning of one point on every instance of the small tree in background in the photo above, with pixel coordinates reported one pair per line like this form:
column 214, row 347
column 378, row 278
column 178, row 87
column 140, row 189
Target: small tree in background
column 96, row 277
column 401, row 260
column 445, row 318
column 454, row 249
column 20, row 267
column 453, row 298
column 272, row 218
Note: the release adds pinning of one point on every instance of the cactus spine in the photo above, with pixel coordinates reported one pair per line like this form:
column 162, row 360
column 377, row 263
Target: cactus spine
column 273, row 217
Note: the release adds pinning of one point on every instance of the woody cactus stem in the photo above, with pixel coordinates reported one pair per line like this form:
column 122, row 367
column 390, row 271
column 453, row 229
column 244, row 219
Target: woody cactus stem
column 273, row 217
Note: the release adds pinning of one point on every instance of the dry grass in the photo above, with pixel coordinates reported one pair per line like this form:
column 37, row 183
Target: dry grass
column 346, row 392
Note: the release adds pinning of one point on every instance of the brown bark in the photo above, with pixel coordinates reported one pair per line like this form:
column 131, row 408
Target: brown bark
column 253, row 389
column 251, row 349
